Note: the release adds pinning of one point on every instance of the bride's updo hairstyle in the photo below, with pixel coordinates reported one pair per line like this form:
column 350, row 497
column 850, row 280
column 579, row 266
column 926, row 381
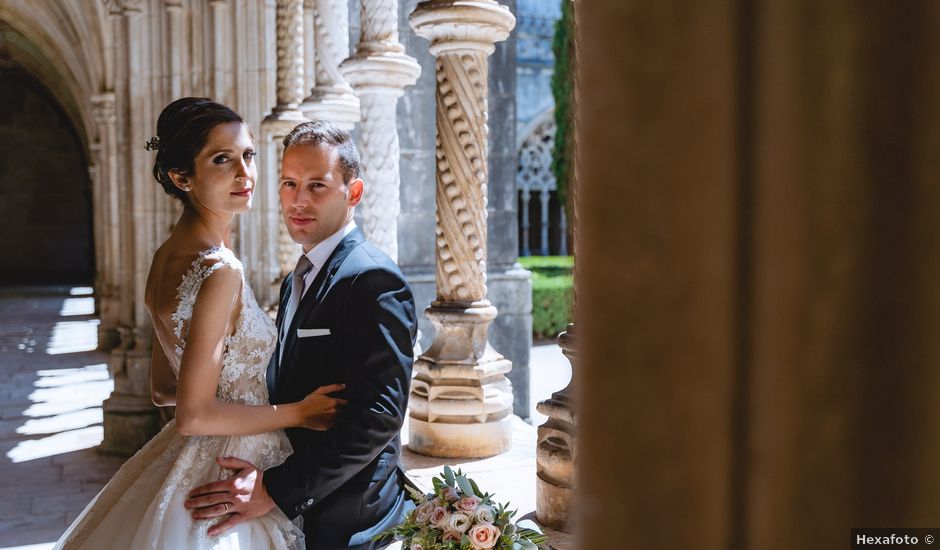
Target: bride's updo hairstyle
column 182, row 131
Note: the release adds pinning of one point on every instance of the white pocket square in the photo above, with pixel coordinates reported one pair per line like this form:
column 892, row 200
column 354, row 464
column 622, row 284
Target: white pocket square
column 310, row 332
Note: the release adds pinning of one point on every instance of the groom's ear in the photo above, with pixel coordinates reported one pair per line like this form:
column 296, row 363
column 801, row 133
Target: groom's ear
column 355, row 192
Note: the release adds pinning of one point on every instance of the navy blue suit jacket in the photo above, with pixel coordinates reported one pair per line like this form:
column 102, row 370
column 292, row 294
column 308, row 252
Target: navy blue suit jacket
column 346, row 481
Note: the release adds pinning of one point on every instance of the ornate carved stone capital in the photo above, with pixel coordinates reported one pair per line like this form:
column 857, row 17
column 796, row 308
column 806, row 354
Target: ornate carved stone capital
column 103, row 106
column 130, row 6
column 462, row 24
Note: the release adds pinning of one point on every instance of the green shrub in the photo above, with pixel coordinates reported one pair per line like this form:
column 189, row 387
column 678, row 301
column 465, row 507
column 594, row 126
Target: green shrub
column 552, row 293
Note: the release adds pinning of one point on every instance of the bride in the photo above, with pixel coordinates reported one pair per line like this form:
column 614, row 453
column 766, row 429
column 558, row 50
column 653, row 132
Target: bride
column 212, row 347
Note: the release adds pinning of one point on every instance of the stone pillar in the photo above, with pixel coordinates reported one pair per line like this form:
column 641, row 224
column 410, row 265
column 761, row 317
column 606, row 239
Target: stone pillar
column 176, row 41
column 220, row 49
column 108, row 237
column 130, row 419
column 555, row 457
column 379, row 72
column 461, row 401
column 310, row 49
column 283, row 118
column 332, row 98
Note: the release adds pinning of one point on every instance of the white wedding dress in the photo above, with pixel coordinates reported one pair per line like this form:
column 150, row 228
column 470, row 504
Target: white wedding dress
column 142, row 506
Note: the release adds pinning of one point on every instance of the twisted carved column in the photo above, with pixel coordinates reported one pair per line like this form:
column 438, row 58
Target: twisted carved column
column 283, row 118
column 379, row 72
column 331, row 99
column 556, row 450
column 461, row 401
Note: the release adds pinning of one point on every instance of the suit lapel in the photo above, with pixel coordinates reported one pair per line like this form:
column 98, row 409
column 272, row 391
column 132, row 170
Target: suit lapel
column 316, row 292
column 274, row 363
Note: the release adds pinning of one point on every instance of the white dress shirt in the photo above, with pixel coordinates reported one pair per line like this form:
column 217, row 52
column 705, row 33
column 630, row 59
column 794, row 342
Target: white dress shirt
column 320, row 253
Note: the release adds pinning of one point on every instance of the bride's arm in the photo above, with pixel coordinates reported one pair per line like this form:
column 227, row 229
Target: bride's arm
column 198, row 411
column 162, row 379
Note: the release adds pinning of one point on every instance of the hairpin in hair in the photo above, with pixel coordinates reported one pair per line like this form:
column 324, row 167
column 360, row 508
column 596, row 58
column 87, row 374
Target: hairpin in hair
column 153, row 143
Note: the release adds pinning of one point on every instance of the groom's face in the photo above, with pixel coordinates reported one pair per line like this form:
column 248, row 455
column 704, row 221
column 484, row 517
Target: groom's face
column 315, row 201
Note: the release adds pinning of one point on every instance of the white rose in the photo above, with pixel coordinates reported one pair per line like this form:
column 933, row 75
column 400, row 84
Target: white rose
column 439, row 517
column 423, row 513
column 483, row 536
column 485, row 514
column 458, row 521
column 416, row 546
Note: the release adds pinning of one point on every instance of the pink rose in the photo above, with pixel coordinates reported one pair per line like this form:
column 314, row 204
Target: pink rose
column 423, row 513
column 458, row 521
column 451, row 535
column 468, row 504
column 450, row 493
column 438, row 517
column 483, row 536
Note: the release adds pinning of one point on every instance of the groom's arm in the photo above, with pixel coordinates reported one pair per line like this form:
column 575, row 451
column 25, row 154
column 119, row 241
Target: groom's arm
column 378, row 324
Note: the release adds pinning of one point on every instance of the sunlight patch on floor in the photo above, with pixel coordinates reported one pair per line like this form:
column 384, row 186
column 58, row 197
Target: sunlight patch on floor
column 73, row 337
column 77, row 306
column 81, row 291
column 60, row 443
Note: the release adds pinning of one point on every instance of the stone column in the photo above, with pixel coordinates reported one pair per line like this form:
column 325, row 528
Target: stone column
column 176, row 41
column 379, row 72
column 220, row 49
column 284, row 116
column 310, row 49
column 461, row 401
column 106, row 207
column 332, row 98
column 130, row 419
column 555, row 457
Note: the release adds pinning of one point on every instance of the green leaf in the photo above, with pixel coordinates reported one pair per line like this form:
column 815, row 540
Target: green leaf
column 437, row 483
column 476, row 490
column 449, row 475
column 465, row 485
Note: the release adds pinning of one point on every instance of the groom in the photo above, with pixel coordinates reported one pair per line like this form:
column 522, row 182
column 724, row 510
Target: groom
column 346, row 316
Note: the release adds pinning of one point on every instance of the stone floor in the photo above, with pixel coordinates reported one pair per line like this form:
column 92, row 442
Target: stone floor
column 51, row 389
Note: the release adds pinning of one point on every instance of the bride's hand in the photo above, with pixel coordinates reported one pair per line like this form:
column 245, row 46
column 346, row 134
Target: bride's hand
column 318, row 410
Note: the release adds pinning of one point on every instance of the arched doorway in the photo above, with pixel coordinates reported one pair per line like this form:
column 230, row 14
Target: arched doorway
column 46, row 205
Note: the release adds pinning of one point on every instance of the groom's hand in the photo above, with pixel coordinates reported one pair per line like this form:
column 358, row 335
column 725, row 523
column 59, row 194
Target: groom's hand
column 237, row 499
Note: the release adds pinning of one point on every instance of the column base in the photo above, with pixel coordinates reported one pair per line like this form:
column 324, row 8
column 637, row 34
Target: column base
column 552, row 504
column 129, row 423
column 447, row 440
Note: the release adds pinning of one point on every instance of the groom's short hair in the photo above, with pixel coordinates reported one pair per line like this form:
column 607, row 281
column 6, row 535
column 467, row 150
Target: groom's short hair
column 321, row 132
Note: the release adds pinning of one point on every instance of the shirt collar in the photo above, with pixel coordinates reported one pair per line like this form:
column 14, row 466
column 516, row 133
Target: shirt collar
column 320, row 253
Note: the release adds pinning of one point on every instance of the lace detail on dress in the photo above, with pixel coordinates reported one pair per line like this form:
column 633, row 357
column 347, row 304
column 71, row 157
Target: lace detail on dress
column 190, row 461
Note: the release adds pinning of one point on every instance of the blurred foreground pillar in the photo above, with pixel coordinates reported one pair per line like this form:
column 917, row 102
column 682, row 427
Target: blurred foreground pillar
column 759, row 272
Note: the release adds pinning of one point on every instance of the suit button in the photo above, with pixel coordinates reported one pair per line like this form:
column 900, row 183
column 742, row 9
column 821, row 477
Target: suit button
column 309, row 502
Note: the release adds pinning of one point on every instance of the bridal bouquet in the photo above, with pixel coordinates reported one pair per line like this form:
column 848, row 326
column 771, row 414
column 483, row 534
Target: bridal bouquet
column 458, row 516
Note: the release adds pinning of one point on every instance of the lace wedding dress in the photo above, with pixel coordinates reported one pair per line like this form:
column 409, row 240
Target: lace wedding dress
column 142, row 506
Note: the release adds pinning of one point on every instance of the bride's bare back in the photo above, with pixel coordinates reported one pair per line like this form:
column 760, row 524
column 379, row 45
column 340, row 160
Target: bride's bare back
column 171, row 262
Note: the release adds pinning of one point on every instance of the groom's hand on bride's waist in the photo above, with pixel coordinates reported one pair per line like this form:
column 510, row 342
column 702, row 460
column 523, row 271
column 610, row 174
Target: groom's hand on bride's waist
column 236, row 499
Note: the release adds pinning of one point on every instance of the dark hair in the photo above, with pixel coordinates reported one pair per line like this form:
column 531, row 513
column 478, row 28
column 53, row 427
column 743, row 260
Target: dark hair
column 182, row 131
column 320, row 132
